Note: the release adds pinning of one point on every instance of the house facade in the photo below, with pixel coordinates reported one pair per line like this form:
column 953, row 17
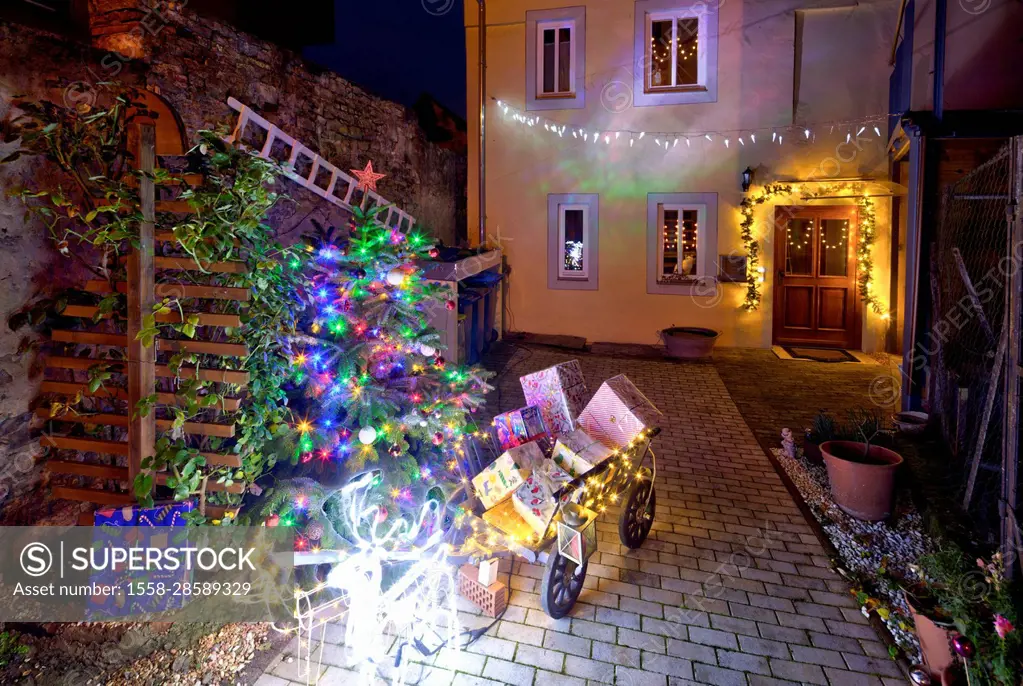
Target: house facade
column 617, row 137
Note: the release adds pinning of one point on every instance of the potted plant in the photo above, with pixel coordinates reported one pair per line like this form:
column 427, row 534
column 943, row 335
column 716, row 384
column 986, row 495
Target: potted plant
column 688, row 342
column 982, row 608
column 934, row 629
column 823, row 429
column 862, row 473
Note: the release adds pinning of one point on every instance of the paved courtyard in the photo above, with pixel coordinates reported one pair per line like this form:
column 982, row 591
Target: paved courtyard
column 731, row 587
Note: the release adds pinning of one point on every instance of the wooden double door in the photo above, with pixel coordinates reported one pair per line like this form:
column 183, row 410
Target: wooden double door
column 815, row 288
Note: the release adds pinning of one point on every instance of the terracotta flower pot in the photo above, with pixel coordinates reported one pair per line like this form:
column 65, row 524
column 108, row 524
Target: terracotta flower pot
column 862, row 479
column 935, row 640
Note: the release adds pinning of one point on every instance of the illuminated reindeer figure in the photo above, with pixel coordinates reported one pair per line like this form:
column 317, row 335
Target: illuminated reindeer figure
column 419, row 607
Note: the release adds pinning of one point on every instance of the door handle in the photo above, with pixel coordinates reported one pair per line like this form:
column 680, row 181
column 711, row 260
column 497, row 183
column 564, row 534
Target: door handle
column 781, row 273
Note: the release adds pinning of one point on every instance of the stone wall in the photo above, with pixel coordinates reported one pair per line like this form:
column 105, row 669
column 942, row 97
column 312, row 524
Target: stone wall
column 195, row 64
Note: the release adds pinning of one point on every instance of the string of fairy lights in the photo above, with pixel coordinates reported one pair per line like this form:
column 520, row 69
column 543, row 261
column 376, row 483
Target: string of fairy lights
column 668, row 140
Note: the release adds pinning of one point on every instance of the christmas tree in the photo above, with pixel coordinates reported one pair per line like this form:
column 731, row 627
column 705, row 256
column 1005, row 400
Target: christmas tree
column 379, row 392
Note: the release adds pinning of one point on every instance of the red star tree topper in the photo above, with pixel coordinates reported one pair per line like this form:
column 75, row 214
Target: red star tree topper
column 367, row 177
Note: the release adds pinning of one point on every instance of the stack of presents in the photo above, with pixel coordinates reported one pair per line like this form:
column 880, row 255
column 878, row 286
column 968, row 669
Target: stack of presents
column 521, row 489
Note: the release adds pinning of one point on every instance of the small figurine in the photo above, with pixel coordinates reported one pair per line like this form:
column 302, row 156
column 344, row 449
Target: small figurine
column 788, row 443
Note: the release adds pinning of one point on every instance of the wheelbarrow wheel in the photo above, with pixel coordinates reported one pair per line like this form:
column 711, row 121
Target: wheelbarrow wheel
column 561, row 585
column 637, row 513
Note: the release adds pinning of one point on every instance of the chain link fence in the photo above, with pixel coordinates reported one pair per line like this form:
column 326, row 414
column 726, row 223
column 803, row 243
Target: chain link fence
column 968, row 340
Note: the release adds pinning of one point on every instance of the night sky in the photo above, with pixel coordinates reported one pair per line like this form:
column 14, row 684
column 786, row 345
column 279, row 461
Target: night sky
column 398, row 49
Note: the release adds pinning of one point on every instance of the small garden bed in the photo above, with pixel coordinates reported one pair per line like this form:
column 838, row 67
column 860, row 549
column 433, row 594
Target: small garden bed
column 875, row 555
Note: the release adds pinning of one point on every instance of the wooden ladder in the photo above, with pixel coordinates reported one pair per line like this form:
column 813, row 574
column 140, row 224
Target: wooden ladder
column 322, row 177
column 108, row 480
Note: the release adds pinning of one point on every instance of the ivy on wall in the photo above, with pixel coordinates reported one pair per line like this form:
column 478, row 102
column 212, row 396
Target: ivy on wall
column 96, row 205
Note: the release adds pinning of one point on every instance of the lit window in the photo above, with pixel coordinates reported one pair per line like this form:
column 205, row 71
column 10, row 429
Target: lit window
column 555, row 62
column 572, row 241
column 680, row 237
column 674, row 52
column 676, row 44
column 682, row 243
column 572, row 221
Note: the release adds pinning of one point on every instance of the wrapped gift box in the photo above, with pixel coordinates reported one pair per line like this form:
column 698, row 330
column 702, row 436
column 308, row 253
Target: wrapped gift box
column 504, row 518
column 171, row 514
column 533, row 462
column 618, row 412
column 496, row 482
column 535, row 503
column 560, row 394
column 518, row 426
column 577, row 452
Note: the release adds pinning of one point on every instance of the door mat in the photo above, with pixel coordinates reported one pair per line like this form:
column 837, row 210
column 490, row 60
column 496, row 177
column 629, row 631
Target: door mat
column 819, row 354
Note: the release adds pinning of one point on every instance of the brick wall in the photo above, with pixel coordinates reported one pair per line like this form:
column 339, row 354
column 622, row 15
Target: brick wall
column 195, row 64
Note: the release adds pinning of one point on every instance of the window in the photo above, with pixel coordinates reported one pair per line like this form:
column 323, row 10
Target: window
column 572, row 221
column 682, row 242
column 572, row 241
column 680, row 233
column 676, row 52
column 555, row 62
column 555, row 56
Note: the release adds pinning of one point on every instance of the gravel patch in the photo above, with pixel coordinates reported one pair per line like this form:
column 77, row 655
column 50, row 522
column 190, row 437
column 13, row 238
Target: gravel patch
column 874, row 554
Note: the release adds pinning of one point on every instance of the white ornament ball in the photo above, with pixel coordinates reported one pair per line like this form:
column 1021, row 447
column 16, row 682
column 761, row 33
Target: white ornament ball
column 427, row 350
column 395, row 277
column 367, row 435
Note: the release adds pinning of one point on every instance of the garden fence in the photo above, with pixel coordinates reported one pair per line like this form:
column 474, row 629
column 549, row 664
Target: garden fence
column 973, row 341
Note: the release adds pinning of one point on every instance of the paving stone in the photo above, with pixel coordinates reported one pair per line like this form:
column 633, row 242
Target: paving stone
column 664, row 664
column 494, row 647
column 840, row 677
column 586, row 668
column 816, row 656
column 520, row 633
column 613, row 617
column 872, row 665
column 641, row 640
column 798, row 671
column 628, row 676
column 712, row 637
column 743, row 662
column 616, row 654
column 763, row 646
column 641, row 607
column 460, row 661
column 540, row 657
column 544, row 678
column 565, row 643
column 599, row 631
column 508, row 672
column 692, row 651
column 707, row 674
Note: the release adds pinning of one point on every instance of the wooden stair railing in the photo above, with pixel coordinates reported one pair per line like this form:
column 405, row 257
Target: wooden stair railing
column 107, row 479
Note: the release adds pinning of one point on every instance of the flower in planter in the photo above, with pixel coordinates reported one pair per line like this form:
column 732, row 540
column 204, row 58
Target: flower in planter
column 1003, row 627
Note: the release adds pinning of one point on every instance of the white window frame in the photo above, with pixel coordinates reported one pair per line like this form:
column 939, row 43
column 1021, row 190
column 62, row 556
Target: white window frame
column 556, row 26
column 558, row 278
column 537, row 21
column 701, row 52
column 701, row 216
column 703, row 282
column 584, row 273
column 648, row 11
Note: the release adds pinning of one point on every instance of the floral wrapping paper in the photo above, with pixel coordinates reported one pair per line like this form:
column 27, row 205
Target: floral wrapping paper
column 560, row 394
column 618, row 412
column 518, row 427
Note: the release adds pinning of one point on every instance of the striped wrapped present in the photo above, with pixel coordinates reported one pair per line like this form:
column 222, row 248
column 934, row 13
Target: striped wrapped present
column 618, row 413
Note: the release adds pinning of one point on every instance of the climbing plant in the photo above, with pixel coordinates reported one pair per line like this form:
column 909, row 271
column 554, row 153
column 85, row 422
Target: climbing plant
column 754, row 273
column 96, row 204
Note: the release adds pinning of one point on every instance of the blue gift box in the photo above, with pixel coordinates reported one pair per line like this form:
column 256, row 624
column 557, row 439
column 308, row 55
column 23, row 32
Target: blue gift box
column 171, row 514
